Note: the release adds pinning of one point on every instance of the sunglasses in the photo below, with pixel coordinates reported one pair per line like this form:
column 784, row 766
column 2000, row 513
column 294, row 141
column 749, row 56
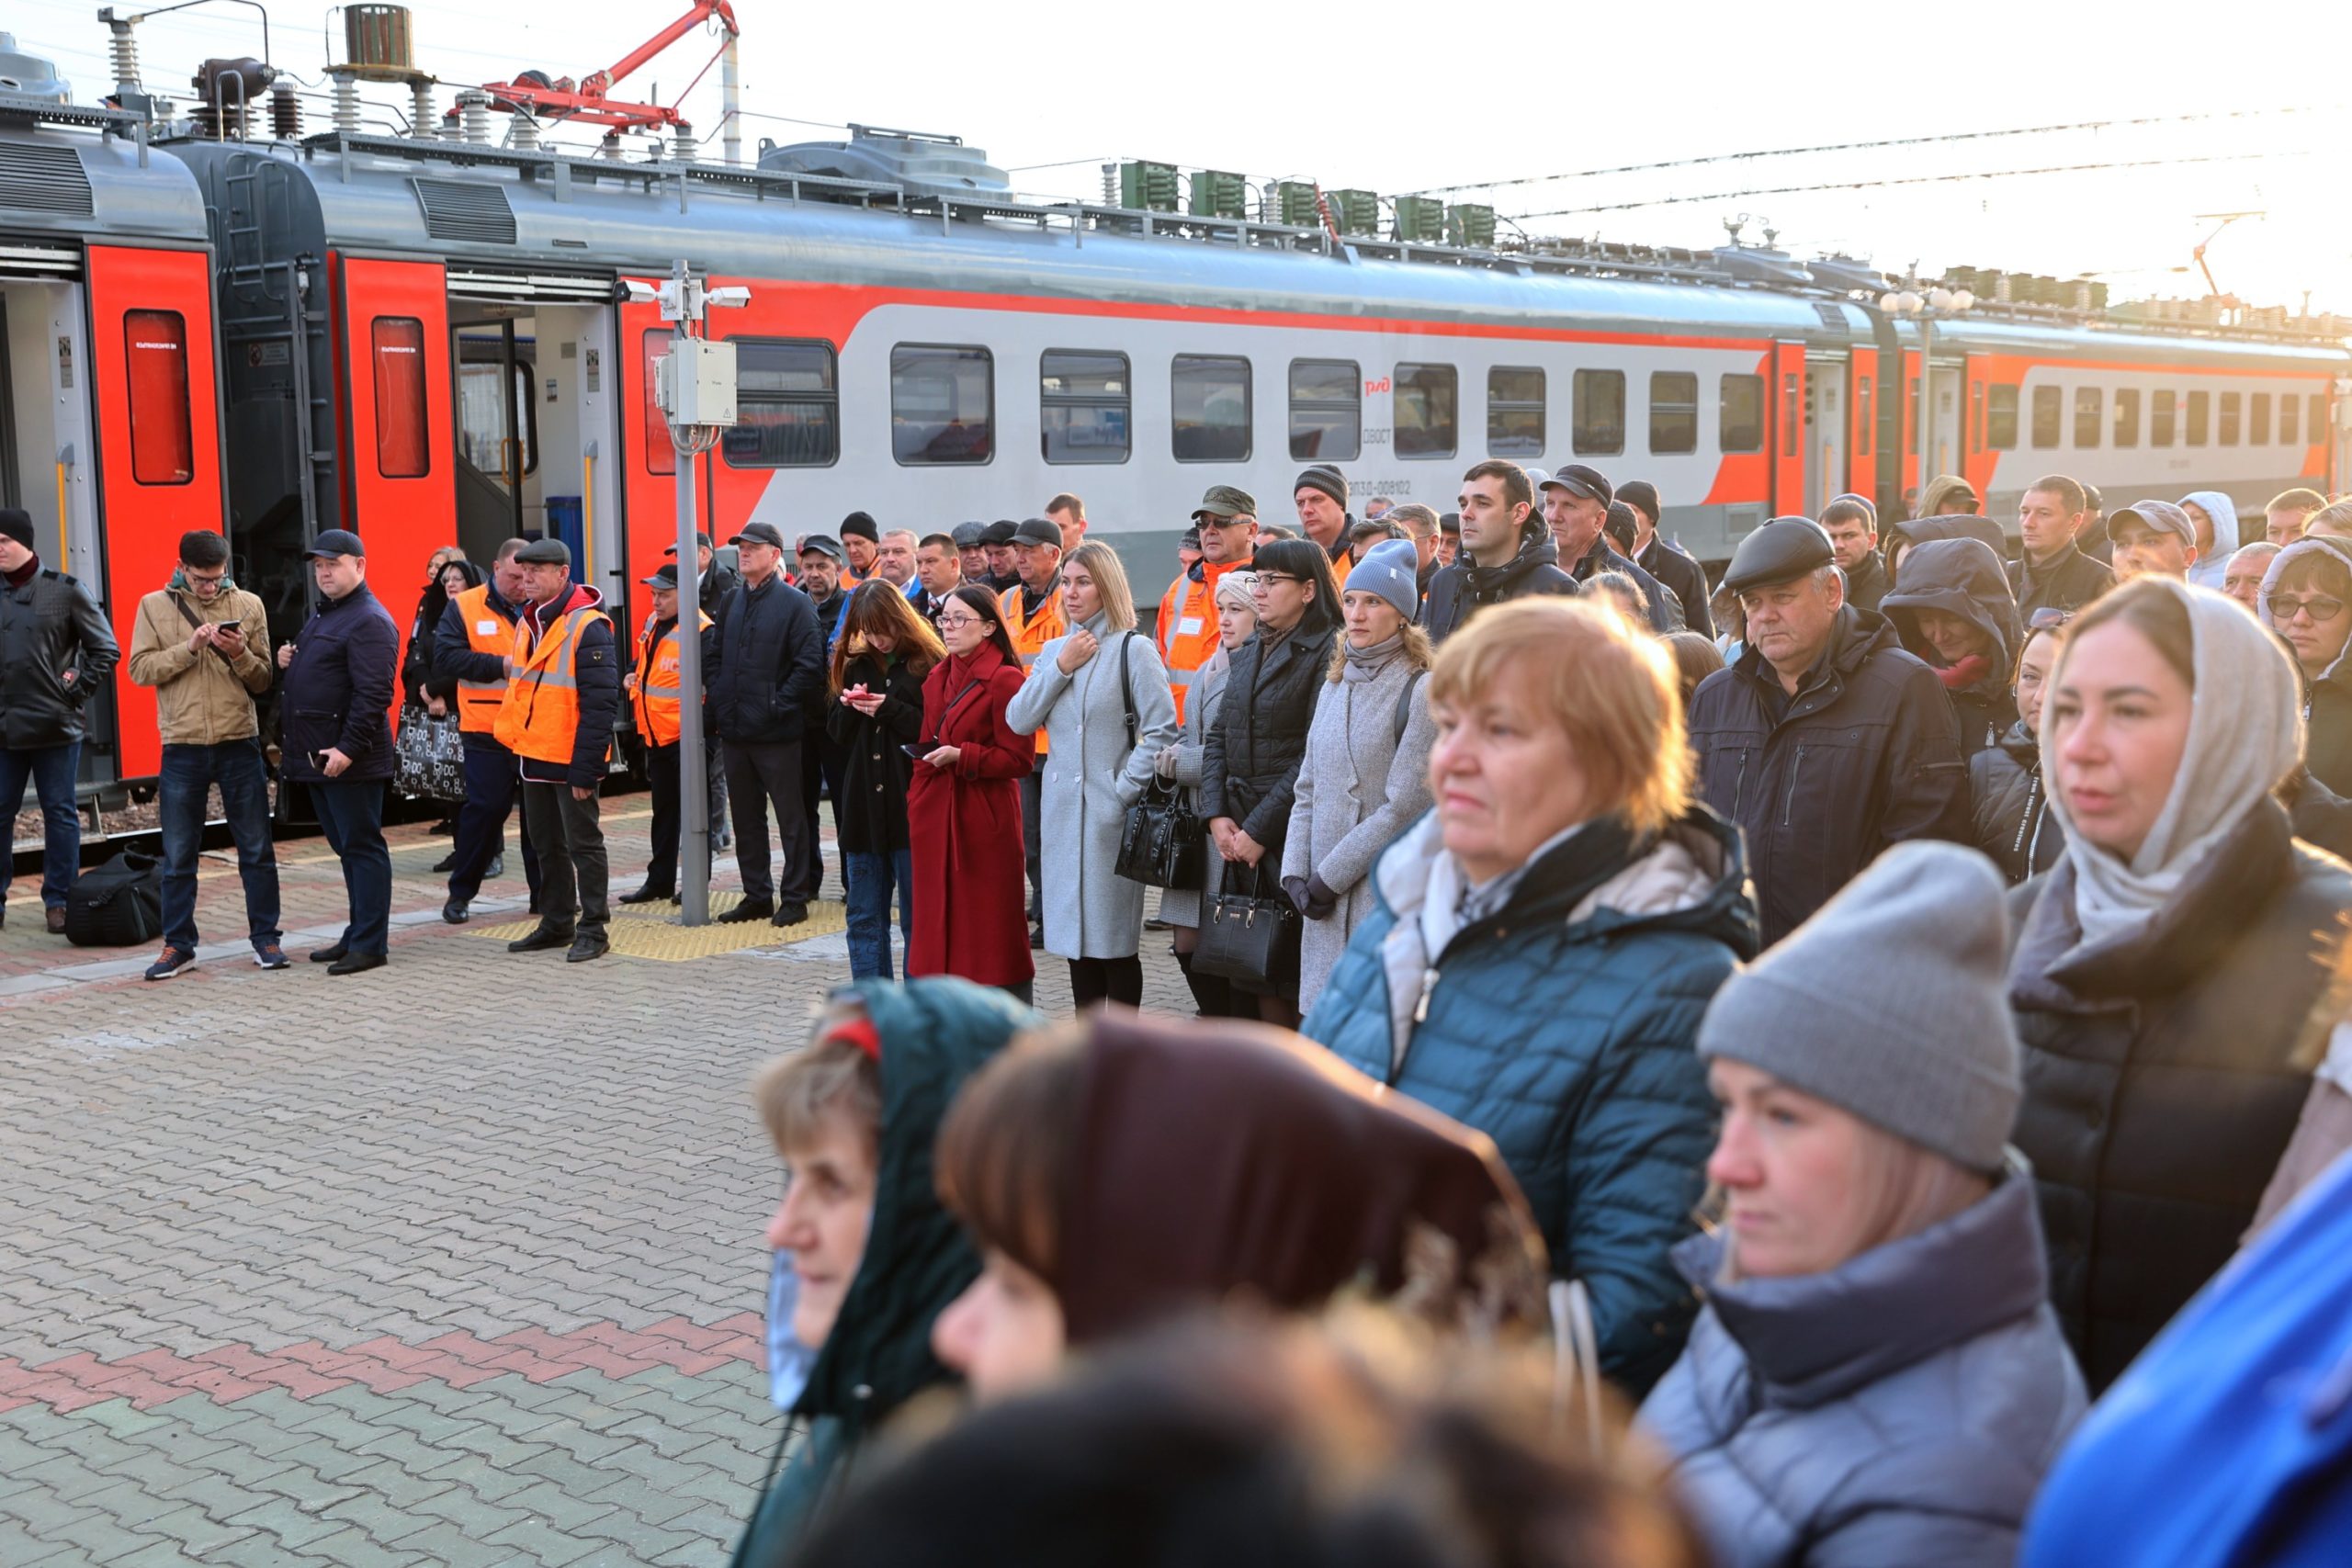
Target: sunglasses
column 2284, row 607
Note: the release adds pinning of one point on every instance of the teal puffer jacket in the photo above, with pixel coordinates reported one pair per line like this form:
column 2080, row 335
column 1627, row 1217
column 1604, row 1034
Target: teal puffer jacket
column 1561, row 1026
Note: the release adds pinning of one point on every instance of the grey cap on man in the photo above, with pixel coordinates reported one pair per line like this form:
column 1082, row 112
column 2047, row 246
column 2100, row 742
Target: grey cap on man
column 2160, row 516
column 545, row 552
column 1781, row 551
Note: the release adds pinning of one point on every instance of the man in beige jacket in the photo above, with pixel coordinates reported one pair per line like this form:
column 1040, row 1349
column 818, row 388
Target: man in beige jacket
column 203, row 644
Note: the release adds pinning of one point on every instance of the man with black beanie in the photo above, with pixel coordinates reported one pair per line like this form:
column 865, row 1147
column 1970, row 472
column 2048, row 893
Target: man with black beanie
column 1669, row 563
column 1322, row 497
column 861, row 542
column 56, row 649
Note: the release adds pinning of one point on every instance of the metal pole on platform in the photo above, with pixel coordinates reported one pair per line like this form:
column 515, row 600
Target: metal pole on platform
column 694, row 786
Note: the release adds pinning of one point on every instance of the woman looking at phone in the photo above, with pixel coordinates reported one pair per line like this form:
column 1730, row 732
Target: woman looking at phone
column 879, row 662
column 964, row 806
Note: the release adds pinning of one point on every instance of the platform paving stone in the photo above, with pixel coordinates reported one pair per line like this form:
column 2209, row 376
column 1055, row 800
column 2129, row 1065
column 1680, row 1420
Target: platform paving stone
column 455, row 1262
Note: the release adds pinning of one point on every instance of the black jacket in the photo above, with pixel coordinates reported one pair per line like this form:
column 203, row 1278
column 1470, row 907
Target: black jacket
column 1962, row 578
column 1464, row 588
column 1865, row 754
column 1251, row 757
column 717, row 584
column 453, row 658
column 2327, row 746
column 2164, row 1073
column 2014, row 823
column 419, row 677
column 1666, row 610
column 1868, row 582
column 769, row 674
column 871, row 815
column 1687, row 580
column 2069, row 582
column 339, row 690
column 49, row 626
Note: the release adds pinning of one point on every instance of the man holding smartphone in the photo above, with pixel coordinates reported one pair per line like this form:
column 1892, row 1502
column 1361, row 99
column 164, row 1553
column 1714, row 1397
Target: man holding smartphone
column 203, row 644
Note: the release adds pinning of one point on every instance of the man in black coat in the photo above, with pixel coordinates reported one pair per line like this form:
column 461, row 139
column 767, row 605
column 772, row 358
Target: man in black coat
column 1670, row 564
column 2051, row 571
column 1505, row 554
column 1851, row 522
column 55, row 650
column 766, row 676
column 1826, row 742
column 336, row 736
column 1575, row 509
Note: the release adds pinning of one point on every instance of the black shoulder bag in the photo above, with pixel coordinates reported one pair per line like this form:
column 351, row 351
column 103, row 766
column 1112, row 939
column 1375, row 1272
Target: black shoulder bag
column 1162, row 845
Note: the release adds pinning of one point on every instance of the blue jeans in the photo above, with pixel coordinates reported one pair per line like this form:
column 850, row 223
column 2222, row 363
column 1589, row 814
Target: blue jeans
column 52, row 770
column 189, row 771
column 871, row 877
column 351, row 814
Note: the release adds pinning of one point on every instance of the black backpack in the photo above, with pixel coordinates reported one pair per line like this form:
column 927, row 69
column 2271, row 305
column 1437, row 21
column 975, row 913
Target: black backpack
column 121, row 904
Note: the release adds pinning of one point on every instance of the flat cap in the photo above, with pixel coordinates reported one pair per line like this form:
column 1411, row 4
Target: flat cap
column 1581, row 478
column 545, row 552
column 971, row 536
column 1781, row 551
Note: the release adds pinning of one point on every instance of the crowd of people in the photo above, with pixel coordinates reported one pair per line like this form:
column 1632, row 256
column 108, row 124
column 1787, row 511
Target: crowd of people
column 1683, row 1072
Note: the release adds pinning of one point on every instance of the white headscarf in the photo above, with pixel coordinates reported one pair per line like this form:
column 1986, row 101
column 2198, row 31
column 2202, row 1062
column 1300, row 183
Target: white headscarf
column 2246, row 734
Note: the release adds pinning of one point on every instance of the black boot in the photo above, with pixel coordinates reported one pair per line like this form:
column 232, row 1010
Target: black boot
column 1211, row 993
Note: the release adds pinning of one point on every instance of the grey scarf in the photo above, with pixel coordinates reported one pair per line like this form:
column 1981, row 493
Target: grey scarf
column 1367, row 664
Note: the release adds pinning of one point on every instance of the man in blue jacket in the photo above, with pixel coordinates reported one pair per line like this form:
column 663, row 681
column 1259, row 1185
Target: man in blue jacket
column 336, row 734
column 768, row 674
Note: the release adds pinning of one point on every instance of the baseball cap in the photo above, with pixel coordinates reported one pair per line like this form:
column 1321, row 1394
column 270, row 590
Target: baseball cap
column 545, row 552
column 760, row 533
column 1222, row 504
column 340, row 542
column 1001, row 532
column 2159, row 516
column 701, row 538
column 665, row 577
column 1037, row 531
column 824, row 545
column 1579, row 479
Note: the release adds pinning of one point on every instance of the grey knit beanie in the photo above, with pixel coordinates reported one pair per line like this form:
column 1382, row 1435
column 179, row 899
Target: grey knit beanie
column 1891, row 1002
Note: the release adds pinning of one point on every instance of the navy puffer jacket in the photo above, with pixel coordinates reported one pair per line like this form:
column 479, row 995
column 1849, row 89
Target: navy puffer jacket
column 1561, row 1026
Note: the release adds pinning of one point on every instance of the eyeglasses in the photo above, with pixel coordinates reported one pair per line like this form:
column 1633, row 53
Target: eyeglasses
column 208, row 578
column 2047, row 619
column 2285, row 607
column 1268, row 579
column 958, row 622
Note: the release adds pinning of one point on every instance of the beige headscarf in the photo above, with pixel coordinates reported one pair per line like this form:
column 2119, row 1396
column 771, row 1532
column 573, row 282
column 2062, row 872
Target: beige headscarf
column 2246, row 734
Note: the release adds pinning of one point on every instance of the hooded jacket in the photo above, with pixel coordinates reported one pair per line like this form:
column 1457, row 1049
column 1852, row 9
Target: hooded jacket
column 1225, row 1156
column 1962, row 578
column 2211, row 568
column 1561, row 1026
column 1464, row 588
column 2014, row 823
column 935, row 1033
column 1900, row 1408
column 2327, row 698
column 1865, row 754
column 49, row 626
column 206, row 698
column 1958, row 525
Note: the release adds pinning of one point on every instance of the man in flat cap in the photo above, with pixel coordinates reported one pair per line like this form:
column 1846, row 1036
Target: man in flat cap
column 766, row 676
column 1826, row 742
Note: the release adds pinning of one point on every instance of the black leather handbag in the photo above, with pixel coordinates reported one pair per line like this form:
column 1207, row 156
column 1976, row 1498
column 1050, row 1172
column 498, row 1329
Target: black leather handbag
column 1243, row 934
column 1164, row 845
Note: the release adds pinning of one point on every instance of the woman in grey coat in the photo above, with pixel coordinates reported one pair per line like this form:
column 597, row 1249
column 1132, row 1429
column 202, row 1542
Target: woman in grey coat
column 1096, row 767
column 1236, row 622
column 1877, row 1376
column 1366, row 776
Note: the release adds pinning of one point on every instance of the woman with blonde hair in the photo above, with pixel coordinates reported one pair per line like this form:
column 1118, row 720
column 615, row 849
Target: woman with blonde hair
column 1236, row 623
column 1101, row 695
column 1366, row 773
column 1541, row 946
column 880, row 658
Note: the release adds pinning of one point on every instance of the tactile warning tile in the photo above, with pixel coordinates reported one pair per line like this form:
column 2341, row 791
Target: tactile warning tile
column 653, row 932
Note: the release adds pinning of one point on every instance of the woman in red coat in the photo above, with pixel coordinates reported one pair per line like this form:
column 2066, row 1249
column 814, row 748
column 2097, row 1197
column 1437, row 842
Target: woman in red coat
column 964, row 806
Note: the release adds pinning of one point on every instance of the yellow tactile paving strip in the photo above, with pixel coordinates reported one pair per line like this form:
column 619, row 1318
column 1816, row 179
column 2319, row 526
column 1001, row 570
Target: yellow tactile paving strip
column 650, row 930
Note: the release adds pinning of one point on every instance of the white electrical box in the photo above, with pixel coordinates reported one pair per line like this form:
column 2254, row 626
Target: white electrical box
column 694, row 383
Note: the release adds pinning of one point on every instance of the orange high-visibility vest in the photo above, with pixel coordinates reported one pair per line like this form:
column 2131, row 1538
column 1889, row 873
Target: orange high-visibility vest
column 487, row 631
column 656, row 698
column 1188, row 630
column 1031, row 635
column 541, row 712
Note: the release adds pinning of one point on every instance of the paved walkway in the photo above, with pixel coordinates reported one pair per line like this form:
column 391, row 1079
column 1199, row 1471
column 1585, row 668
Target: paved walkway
column 457, row 1262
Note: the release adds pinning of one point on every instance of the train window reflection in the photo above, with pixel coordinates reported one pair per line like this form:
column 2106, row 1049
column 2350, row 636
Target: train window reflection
column 2088, row 416
column 1426, row 401
column 942, row 404
column 1862, row 417
column 2257, row 419
column 1514, row 412
column 1674, row 411
column 397, row 345
column 2049, row 415
column 2200, row 418
column 1083, row 402
column 2159, row 418
column 2315, row 424
column 2231, row 412
column 2127, row 416
column 1741, row 427
column 1210, row 404
column 1599, row 412
column 162, row 448
column 1325, row 410
column 2000, row 417
column 2289, row 407
column 787, row 412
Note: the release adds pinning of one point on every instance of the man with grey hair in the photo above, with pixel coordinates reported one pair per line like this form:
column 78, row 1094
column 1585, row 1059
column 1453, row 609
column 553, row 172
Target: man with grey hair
column 1826, row 741
column 894, row 560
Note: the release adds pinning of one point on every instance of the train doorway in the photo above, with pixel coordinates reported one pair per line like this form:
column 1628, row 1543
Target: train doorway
column 1825, row 431
column 45, row 437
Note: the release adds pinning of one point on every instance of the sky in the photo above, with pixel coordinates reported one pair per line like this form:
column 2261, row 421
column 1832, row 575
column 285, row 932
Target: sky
column 1509, row 90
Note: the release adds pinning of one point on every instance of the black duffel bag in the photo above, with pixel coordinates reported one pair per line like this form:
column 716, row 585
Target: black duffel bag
column 121, row 904
column 1243, row 934
column 1163, row 845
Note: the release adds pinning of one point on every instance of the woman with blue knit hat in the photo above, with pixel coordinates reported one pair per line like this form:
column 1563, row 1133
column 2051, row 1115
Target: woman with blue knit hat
column 1877, row 1376
column 1366, row 773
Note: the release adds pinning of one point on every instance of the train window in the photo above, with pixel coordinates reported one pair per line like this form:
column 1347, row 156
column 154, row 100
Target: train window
column 163, row 445
column 2257, row 419
column 1326, row 410
column 1862, row 417
column 2159, row 418
column 787, row 412
column 942, row 404
column 2315, row 426
column 481, row 411
column 2088, row 416
column 2200, row 418
column 1084, row 401
column 1211, row 408
column 1427, row 398
column 403, row 449
column 661, row 457
column 1598, row 412
column 1514, row 412
column 1674, row 411
column 1789, row 418
column 2049, row 415
column 2000, row 417
column 2127, row 416
column 2289, row 406
column 2231, row 410
column 1741, row 422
